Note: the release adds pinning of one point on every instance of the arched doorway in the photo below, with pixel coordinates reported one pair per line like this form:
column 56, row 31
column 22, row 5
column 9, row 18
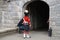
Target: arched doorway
column 39, row 14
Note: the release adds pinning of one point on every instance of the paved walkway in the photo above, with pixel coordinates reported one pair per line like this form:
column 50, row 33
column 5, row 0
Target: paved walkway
column 35, row 35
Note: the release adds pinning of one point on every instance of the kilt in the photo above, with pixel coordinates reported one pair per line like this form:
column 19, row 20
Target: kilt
column 27, row 28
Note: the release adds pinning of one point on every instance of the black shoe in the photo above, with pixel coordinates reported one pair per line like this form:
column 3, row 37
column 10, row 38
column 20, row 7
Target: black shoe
column 24, row 37
column 30, row 37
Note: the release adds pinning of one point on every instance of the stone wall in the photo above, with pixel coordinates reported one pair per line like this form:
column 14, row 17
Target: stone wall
column 54, row 18
column 11, row 13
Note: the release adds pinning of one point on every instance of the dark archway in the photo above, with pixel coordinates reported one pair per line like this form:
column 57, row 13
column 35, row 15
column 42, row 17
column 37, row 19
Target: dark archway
column 39, row 14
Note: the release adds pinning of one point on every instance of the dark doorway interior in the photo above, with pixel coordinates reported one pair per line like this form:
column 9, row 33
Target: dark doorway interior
column 39, row 14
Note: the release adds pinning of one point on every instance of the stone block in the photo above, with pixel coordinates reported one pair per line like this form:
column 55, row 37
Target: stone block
column 52, row 2
column 8, row 22
column 0, row 17
column 16, row 21
column 13, row 14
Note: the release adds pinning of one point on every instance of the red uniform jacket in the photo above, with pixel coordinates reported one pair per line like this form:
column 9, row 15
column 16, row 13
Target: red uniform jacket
column 27, row 19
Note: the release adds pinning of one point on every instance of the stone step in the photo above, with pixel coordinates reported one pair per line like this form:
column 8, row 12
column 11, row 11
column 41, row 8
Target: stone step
column 7, row 31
